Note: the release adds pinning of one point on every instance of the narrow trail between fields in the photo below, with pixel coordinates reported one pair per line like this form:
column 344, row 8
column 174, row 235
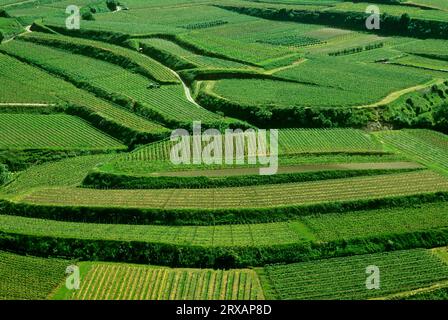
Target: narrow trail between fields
column 20, row 104
column 397, row 94
column 186, row 89
column 296, row 63
column 27, row 30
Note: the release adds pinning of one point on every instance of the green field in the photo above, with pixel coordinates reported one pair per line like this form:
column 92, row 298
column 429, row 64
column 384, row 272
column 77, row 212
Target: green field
column 53, row 132
column 20, row 76
column 132, row 282
column 29, row 278
column 344, row 278
column 87, row 176
column 268, row 196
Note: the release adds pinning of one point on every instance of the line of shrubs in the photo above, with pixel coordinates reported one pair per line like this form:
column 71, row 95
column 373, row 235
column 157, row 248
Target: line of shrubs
column 402, row 25
column 104, row 180
column 113, row 215
column 215, row 257
column 356, row 50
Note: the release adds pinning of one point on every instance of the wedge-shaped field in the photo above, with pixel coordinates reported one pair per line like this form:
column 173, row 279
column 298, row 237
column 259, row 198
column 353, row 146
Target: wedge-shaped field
column 52, row 132
column 189, row 56
column 107, row 281
column 425, row 146
column 29, row 278
column 281, row 195
column 345, row 278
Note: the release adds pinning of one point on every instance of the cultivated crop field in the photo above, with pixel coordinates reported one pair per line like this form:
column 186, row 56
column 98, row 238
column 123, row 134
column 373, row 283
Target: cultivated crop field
column 327, row 279
column 120, row 179
column 52, row 132
column 111, row 282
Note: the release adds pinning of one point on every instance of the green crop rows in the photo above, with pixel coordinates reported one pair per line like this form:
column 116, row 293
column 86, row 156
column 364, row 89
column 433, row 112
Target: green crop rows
column 29, row 278
column 345, row 278
column 86, row 176
column 167, row 284
column 52, row 132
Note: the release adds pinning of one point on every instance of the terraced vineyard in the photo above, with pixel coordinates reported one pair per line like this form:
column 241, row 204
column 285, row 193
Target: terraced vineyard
column 110, row 282
column 34, row 81
column 52, row 132
column 87, row 181
column 29, row 278
column 425, row 146
column 282, row 195
column 344, row 278
column 113, row 79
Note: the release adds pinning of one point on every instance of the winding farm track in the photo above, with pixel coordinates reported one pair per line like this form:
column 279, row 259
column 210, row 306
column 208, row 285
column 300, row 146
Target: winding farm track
column 397, row 94
column 186, row 89
column 27, row 30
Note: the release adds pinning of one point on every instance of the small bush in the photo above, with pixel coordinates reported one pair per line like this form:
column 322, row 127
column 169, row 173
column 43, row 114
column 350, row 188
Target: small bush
column 5, row 175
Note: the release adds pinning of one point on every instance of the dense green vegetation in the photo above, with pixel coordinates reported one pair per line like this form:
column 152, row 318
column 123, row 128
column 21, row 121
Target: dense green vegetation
column 57, row 132
column 345, row 278
column 156, row 283
column 29, row 278
column 85, row 170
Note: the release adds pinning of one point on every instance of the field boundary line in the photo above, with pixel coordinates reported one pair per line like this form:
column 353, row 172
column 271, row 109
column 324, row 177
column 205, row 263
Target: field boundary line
column 294, row 64
column 391, row 97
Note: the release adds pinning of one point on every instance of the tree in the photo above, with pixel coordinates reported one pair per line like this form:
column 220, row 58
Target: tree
column 2, row 36
column 112, row 4
column 87, row 16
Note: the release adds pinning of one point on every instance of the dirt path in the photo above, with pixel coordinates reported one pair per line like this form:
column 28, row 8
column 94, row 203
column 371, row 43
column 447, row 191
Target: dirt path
column 397, row 94
column 27, row 30
column 27, row 104
column 300, row 61
column 186, row 89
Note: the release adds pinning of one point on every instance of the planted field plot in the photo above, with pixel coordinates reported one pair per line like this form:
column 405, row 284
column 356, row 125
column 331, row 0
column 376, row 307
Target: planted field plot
column 29, row 278
column 383, row 222
column 250, row 235
column 132, row 59
column 10, row 27
column 167, row 103
column 290, row 141
column 425, row 146
column 35, row 84
column 421, row 62
column 269, row 196
column 298, row 141
column 66, row 172
column 55, row 132
column 132, row 282
column 189, row 56
column 330, row 87
column 345, row 278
